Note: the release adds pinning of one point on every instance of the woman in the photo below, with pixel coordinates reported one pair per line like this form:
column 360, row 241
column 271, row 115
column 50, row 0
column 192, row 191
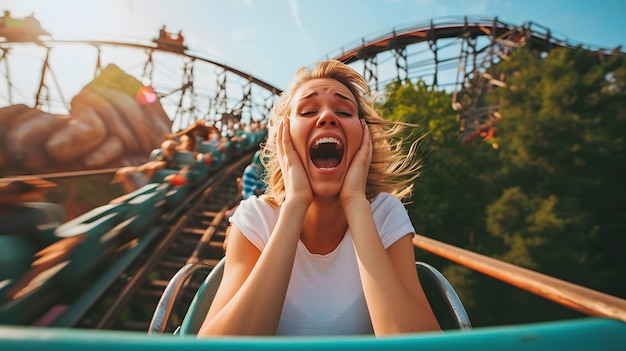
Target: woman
column 328, row 249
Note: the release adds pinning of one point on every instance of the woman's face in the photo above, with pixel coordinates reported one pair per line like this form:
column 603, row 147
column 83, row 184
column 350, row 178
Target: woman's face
column 326, row 132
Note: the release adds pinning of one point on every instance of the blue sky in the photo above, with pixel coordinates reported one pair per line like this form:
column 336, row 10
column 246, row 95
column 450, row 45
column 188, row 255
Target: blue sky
column 270, row 39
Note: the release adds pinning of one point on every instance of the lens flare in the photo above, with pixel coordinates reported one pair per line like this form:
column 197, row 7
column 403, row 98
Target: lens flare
column 146, row 95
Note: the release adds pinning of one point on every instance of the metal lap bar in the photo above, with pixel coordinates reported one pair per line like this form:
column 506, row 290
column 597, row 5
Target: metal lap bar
column 166, row 302
column 452, row 298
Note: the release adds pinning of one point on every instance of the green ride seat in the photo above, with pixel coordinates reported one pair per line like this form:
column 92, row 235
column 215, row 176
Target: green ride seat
column 82, row 244
column 146, row 189
column 176, row 193
column 205, row 147
column 201, row 302
column 48, row 217
column 219, row 158
column 177, row 190
column 36, row 220
column 145, row 207
column 201, row 168
column 16, row 255
column 182, row 159
column 99, row 228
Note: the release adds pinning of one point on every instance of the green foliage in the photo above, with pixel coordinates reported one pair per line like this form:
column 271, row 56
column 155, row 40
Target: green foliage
column 565, row 114
column 449, row 197
column 550, row 197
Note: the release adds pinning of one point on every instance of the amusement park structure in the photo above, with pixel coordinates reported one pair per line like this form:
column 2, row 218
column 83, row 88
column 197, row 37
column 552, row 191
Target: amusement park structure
column 121, row 255
column 169, row 41
column 21, row 29
column 455, row 54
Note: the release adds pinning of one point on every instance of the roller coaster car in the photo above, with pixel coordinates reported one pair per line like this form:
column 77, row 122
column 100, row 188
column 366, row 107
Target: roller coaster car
column 179, row 184
column 145, row 205
column 182, row 158
column 81, row 245
column 32, row 281
column 218, row 155
column 15, row 259
column 203, row 298
column 21, row 29
column 17, row 252
column 170, row 42
column 42, row 217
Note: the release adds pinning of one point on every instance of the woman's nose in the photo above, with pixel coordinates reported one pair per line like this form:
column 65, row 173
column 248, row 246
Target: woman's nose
column 327, row 118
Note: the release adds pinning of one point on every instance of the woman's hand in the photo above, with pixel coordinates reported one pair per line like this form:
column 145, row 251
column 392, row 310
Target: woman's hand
column 297, row 185
column 354, row 184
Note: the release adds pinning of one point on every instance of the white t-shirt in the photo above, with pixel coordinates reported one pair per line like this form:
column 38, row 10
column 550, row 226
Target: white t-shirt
column 325, row 295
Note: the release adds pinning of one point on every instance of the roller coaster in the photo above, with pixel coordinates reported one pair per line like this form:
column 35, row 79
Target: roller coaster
column 107, row 269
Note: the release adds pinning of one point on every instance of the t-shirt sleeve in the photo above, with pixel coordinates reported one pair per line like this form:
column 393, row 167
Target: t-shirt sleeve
column 256, row 220
column 391, row 219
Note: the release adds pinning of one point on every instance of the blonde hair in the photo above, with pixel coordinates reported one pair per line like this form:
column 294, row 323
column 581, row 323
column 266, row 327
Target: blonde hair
column 392, row 169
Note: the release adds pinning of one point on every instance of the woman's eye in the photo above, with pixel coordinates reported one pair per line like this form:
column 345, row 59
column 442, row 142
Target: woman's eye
column 307, row 113
column 344, row 113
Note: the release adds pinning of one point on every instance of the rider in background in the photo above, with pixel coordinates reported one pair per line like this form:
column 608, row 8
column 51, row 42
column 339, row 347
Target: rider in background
column 252, row 182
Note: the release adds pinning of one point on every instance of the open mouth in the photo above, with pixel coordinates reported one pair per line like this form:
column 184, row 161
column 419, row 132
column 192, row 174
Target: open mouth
column 326, row 153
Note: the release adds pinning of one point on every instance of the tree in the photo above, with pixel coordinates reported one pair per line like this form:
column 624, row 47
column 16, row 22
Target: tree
column 564, row 115
column 450, row 195
column 456, row 185
column 550, row 198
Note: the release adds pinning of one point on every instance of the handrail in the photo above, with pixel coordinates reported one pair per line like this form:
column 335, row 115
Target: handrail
column 166, row 302
column 453, row 302
column 68, row 174
column 576, row 297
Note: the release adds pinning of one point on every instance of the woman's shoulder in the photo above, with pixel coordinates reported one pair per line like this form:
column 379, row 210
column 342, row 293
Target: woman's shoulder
column 260, row 201
column 391, row 218
column 257, row 204
column 386, row 205
column 255, row 217
column 384, row 198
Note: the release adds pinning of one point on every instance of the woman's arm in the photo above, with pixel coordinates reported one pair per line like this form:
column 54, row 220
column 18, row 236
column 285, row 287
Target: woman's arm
column 394, row 295
column 250, row 298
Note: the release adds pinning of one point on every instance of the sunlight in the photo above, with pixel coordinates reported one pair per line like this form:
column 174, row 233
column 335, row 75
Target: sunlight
column 146, row 95
column 73, row 66
column 75, row 19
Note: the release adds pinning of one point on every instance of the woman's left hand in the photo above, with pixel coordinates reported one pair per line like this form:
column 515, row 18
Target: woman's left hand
column 354, row 184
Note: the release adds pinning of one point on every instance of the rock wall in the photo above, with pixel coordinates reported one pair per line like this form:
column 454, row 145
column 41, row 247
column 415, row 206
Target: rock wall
column 114, row 121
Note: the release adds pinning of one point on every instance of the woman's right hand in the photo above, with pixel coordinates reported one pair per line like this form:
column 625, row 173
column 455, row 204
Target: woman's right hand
column 297, row 186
